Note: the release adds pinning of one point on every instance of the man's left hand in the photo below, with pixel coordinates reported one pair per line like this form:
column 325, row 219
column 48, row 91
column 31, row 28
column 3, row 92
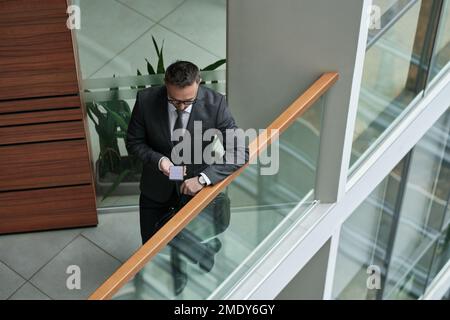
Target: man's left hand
column 191, row 186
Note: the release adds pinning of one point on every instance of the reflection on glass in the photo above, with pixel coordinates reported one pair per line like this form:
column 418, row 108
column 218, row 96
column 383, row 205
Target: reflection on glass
column 219, row 246
column 385, row 5
column 364, row 240
column 402, row 228
column 383, row 14
column 447, row 295
column 442, row 47
column 119, row 45
column 422, row 212
column 395, row 71
column 442, row 247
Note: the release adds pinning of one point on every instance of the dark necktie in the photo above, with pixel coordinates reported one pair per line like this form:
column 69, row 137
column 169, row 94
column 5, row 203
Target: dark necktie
column 178, row 125
column 179, row 120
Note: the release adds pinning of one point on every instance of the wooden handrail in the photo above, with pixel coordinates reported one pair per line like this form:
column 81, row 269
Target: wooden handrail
column 164, row 235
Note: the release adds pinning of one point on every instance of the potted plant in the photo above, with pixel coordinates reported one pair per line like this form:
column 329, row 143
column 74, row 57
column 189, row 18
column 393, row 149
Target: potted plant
column 111, row 120
column 117, row 173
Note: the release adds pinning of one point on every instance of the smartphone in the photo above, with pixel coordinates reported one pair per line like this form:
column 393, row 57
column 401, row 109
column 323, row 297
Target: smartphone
column 176, row 173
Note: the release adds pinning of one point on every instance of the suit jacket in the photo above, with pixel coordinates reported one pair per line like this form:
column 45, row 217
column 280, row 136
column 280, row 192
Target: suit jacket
column 149, row 138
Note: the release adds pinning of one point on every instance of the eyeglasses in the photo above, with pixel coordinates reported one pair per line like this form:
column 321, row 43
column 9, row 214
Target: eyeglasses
column 180, row 102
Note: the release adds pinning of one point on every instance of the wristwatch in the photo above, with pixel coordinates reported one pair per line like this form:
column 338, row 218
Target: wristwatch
column 201, row 180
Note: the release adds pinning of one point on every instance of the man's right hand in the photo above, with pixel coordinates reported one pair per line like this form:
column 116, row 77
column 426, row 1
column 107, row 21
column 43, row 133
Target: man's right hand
column 165, row 165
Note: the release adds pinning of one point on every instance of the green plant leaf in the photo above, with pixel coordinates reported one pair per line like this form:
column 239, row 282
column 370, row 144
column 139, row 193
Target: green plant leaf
column 155, row 45
column 150, row 69
column 121, row 134
column 118, row 180
column 96, row 111
column 161, row 68
column 215, row 65
column 91, row 116
column 120, row 121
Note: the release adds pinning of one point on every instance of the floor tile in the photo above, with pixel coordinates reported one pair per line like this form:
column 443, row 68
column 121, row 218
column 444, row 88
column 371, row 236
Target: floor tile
column 28, row 292
column 118, row 201
column 107, row 27
column 175, row 48
column 27, row 252
column 154, row 9
column 202, row 22
column 95, row 267
column 117, row 233
column 9, row 281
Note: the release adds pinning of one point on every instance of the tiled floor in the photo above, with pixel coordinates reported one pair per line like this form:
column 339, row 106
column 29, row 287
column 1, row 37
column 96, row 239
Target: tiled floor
column 237, row 244
column 34, row 265
column 116, row 35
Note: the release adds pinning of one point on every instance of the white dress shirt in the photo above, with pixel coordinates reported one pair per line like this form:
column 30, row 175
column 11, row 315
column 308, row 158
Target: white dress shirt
column 173, row 115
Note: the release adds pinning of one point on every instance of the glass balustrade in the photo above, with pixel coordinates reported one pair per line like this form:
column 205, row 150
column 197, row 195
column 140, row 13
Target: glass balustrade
column 216, row 250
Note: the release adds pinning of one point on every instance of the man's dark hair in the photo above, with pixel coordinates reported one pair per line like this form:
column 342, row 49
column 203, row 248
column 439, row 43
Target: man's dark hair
column 182, row 74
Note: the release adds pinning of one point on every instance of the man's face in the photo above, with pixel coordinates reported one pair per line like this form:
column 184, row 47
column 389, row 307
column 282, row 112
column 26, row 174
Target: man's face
column 182, row 98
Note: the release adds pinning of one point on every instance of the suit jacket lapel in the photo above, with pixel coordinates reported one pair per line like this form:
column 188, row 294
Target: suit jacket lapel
column 196, row 111
column 163, row 113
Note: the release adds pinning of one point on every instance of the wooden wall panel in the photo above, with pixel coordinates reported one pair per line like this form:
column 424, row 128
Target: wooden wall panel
column 46, row 176
column 40, row 117
column 41, row 132
column 36, row 52
column 39, row 104
column 71, row 206
column 43, row 165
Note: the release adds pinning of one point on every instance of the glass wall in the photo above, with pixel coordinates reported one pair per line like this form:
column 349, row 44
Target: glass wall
column 214, row 252
column 386, row 5
column 401, row 231
column 396, row 66
column 442, row 48
column 446, row 296
column 124, row 46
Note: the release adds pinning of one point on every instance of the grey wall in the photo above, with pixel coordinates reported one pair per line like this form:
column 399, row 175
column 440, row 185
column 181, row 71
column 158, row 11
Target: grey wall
column 309, row 283
column 276, row 49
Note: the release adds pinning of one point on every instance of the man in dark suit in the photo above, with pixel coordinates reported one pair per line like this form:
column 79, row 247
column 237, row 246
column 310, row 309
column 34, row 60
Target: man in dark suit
column 158, row 113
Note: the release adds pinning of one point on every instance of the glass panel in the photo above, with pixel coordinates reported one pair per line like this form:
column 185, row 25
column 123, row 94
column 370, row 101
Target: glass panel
column 212, row 254
column 385, row 5
column 385, row 13
column 393, row 76
column 422, row 212
column 364, row 240
column 446, row 296
column 442, row 48
column 115, row 45
column 442, row 253
column 402, row 228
